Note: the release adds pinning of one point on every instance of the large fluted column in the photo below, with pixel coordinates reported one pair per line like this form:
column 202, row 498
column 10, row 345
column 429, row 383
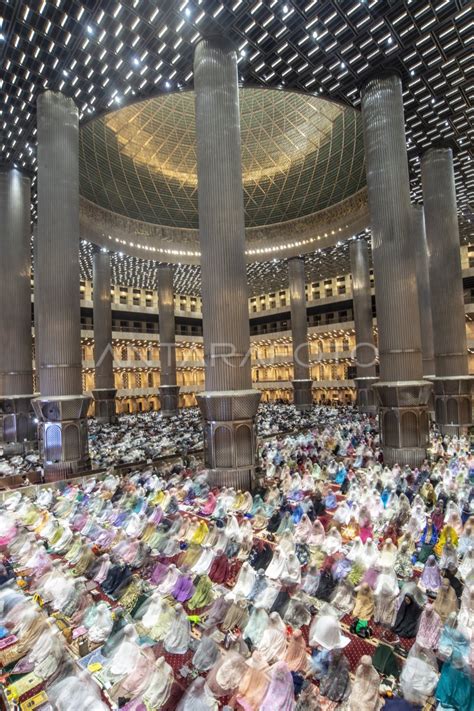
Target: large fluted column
column 169, row 391
column 61, row 406
column 16, row 369
column 423, row 283
column 452, row 383
column 365, row 351
column 104, row 391
column 402, row 392
column 302, row 383
column 229, row 404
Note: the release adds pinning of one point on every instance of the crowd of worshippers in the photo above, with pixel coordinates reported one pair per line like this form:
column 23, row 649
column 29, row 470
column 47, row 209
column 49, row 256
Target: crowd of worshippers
column 339, row 583
column 148, row 436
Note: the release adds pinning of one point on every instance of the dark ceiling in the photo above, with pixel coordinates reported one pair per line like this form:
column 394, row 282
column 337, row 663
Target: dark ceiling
column 106, row 54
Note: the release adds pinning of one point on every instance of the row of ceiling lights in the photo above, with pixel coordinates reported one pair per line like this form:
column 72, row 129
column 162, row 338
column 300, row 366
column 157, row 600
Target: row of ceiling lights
column 97, row 32
column 140, row 47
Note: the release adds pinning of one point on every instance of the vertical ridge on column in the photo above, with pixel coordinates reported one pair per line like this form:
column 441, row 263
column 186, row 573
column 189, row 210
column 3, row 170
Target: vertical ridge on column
column 229, row 404
column 58, row 357
column 299, row 324
column 16, row 368
column 104, row 391
column 401, row 391
column 362, row 304
column 61, row 406
column 169, row 390
column 302, row 383
column 452, row 383
column 423, row 282
column 103, row 354
column 221, row 217
column 16, row 355
column 167, row 325
column 442, row 233
column 363, row 320
column 393, row 254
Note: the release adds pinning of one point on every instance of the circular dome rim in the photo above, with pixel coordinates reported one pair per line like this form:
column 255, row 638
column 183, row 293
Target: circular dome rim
column 345, row 109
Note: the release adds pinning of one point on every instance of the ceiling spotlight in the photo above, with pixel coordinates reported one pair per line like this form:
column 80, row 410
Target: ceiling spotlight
column 136, row 61
column 90, row 30
column 285, row 9
column 187, row 12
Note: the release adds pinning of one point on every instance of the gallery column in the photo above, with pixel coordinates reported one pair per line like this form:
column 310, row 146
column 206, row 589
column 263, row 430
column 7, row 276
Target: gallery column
column 229, row 404
column 365, row 351
column 452, row 382
column 169, row 391
column 401, row 390
column 16, row 366
column 61, row 407
column 104, row 391
column 423, row 283
column 302, row 383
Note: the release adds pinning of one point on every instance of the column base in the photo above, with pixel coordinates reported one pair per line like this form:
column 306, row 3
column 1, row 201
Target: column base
column 453, row 403
column 230, row 437
column 169, row 400
column 302, row 394
column 104, row 405
column 366, row 398
column 17, row 423
column 64, row 445
column 238, row 479
column 404, row 421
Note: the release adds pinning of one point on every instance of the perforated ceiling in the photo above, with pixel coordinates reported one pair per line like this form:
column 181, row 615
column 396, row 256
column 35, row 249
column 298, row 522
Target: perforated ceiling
column 263, row 277
column 105, row 53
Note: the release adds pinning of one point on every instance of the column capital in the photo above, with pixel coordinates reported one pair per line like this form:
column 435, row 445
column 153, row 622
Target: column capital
column 440, row 145
column 7, row 167
column 296, row 258
column 97, row 249
column 215, row 40
column 380, row 75
column 437, row 152
column 165, row 267
column 56, row 96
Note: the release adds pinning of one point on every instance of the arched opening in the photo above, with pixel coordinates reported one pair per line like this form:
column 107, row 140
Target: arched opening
column 465, row 408
column 71, row 442
column 223, row 447
column 243, row 446
column 452, row 411
column 409, row 429
column 390, row 429
column 440, row 410
column 52, row 443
